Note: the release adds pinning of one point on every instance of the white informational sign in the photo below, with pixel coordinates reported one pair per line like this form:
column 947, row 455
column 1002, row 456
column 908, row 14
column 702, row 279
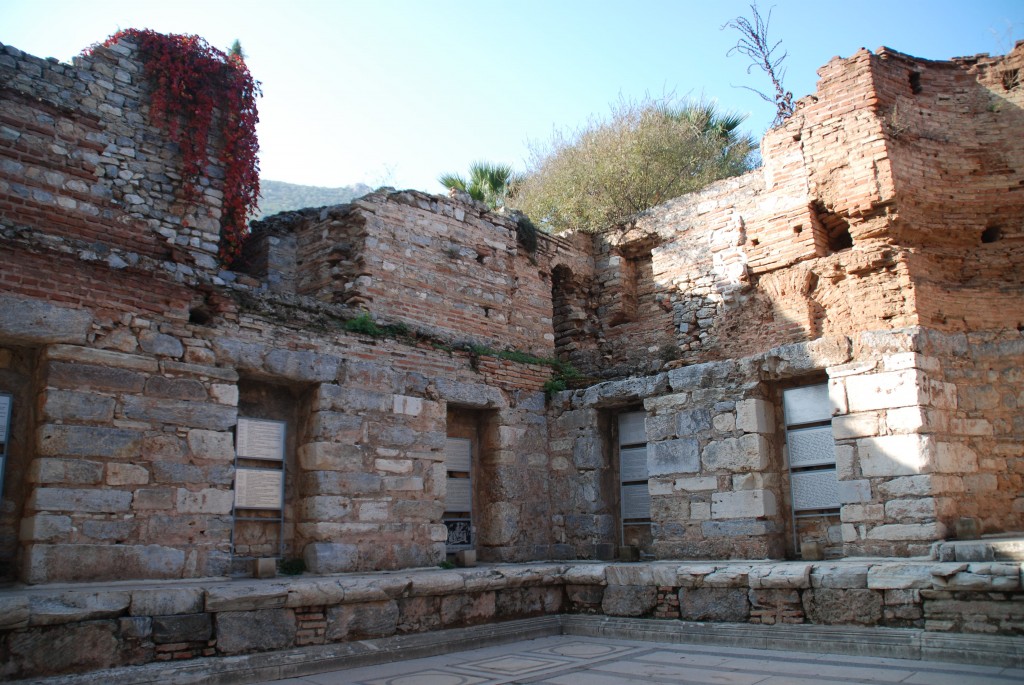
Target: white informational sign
column 260, row 439
column 632, row 464
column 5, row 416
column 631, row 428
column 259, row 489
column 636, row 502
column 458, row 455
column 459, row 495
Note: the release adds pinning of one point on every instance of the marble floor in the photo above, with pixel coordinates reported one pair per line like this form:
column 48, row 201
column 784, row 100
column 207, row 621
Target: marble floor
column 576, row 660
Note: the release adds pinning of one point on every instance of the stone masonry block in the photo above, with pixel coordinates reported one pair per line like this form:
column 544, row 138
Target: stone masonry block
column 331, row 557
column 182, row 628
column 673, row 456
column 693, row 422
column 886, row 390
column 895, row 455
column 744, row 504
column 65, row 471
column 755, row 416
column 89, row 441
column 747, row 453
column 39, row 322
column 80, row 500
column 255, row 631
column 205, row 501
column 853, row 491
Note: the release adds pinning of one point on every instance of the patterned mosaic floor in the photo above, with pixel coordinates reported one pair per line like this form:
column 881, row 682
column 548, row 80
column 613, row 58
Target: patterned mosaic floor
column 574, row 660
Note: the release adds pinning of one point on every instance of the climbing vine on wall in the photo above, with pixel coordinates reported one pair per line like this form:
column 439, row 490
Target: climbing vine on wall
column 192, row 84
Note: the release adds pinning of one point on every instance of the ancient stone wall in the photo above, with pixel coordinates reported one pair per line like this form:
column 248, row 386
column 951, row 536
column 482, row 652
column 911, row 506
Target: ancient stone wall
column 890, row 198
column 131, row 356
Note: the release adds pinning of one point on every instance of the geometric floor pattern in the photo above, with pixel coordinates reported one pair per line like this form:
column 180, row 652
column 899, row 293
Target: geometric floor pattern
column 579, row 660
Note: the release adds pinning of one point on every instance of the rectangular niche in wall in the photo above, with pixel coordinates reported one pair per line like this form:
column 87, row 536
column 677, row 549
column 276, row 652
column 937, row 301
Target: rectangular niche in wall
column 458, row 506
column 812, row 456
column 634, row 495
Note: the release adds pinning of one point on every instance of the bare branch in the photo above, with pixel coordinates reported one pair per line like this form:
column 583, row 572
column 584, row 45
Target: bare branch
column 755, row 46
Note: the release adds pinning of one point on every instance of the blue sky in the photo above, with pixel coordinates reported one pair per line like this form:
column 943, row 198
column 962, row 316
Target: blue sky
column 398, row 92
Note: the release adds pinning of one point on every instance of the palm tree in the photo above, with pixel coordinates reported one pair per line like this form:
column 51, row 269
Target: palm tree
column 489, row 183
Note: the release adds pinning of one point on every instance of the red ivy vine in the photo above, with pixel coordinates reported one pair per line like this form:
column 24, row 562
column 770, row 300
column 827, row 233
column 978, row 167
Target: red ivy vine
column 190, row 80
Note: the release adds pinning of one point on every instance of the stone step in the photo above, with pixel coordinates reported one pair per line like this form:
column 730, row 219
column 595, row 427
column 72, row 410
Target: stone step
column 984, row 549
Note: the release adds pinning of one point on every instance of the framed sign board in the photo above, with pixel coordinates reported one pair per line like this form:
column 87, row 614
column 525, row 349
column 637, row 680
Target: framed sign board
column 259, row 489
column 260, row 439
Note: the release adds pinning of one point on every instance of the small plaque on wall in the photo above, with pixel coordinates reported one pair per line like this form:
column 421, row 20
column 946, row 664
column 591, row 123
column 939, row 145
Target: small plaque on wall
column 260, row 439
column 5, row 416
column 458, row 455
column 259, row 489
column 636, row 502
column 459, row 496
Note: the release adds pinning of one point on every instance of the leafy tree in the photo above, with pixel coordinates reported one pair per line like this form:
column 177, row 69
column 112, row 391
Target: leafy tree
column 488, row 183
column 645, row 154
column 236, row 50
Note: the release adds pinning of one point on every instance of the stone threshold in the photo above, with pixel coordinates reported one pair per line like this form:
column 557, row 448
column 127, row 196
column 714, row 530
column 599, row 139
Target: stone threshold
column 897, row 643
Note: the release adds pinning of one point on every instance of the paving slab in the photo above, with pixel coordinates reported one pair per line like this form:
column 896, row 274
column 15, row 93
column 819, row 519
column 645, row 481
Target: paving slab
column 585, row 660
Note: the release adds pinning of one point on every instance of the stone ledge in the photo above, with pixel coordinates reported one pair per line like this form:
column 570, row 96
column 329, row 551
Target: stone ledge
column 305, row 661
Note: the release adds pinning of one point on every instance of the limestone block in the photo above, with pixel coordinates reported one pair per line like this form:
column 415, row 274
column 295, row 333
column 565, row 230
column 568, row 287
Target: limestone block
column 404, row 404
column 854, row 491
column 89, row 441
column 829, row 606
column 14, row 612
column 302, row 365
column 205, row 501
column 216, row 417
column 72, row 607
column 790, row 575
column 908, row 532
column 629, row 600
column 895, row 455
column 255, row 631
column 907, row 486
column 331, row 557
column 470, row 394
column 373, row 510
column 737, row 528
column 755, row 416
column 586, row 574
column 844, row 575
column 399, row 466
column 629, row 389
column 845, row 462
column 499, row 523
column 666, row 403
column 724, row 423
column 629, row 574
column 44, row 527
column 213, row 445
column 660, row 427
column 153, row 498
column 39, row 322
column 693, row 422
column 902, row 509
column 660, row 487
column 743, row 504
column 77, row 648
column 332, row 456
column 160, row 344
column 700, row 511
column 182, row 628
column 246, row 596
column 175, row 388
column 672, row 456
column 436, row 583
column 224, row 393
column 886, row 390
column 66, row 405
column 790, row 360
column 860, row 425
column 127, row 474
column 79, row 500
column 324, row 508
column 56, row 563
column 980, row 483
column 862, row 512
column 714, row 604
column 360, row 621
column 747, row 453
column 65, row 471
column 166, row 601
column 748, row 481
column 588, row 452
column 732, row 575
column 697, row 484
column 955, row 458
column 907, row 420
